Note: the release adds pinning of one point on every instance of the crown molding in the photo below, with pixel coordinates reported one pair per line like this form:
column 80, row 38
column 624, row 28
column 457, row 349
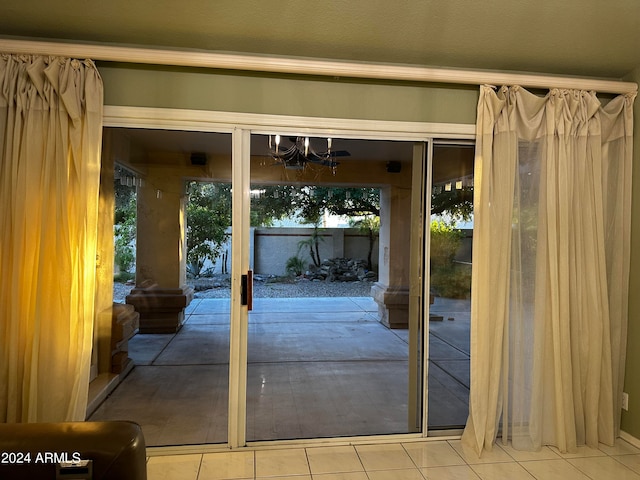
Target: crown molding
column 307, row 66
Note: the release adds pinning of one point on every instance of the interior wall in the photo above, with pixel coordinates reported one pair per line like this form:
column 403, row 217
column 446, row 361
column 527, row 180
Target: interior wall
column 631, row 418
column 200, row 89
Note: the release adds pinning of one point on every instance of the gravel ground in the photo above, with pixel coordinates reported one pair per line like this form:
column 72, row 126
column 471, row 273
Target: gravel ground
column 266, row 288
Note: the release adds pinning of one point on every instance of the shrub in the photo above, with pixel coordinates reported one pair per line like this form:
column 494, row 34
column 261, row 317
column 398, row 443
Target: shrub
column 123, row 277
column 124, row 230
column 445, row 242
column 295, row 266
column 453, row 281
column 448, row 279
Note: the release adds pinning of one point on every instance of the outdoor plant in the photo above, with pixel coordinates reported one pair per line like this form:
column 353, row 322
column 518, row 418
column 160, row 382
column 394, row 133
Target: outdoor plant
column 313, row 245
column 208, row 217
column 369, row 224
column 445, row 242
column 448, row 279
column 454, row 282
column 295, row 266
column 124, row 256
column 124, row 230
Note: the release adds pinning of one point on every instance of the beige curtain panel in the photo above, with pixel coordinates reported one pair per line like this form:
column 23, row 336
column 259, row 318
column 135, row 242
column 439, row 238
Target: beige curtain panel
column 550, row 268
column 50, row 141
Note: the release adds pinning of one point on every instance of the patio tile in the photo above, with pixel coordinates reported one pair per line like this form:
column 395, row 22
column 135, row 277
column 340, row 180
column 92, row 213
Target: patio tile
column 305, row 304
column 315, row 342
column 208, row 319
column 197, row 344
column 440, row 349
column 173, row 404
column 317, row 368
column 311, row 317
column 325, row 399
column 448, row 400
column 457, row 370
column 145, row 348
column 212, row 305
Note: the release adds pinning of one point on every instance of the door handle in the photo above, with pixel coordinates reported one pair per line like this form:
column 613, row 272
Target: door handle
column 247, row 290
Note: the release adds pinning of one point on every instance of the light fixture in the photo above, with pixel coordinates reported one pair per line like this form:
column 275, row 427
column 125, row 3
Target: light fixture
column 300, row 153
column 127, row 177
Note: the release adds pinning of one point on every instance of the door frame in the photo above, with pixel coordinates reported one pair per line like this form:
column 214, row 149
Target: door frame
column 241, row 126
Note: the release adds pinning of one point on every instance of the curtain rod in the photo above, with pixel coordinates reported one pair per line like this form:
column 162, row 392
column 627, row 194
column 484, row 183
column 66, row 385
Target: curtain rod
column 308, row 66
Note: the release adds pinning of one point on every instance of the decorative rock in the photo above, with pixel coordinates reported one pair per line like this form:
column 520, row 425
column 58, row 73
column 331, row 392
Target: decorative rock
column 341, row 270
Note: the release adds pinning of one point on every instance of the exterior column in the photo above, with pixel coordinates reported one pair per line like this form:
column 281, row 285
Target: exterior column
column 161, row 292
column 391, row 291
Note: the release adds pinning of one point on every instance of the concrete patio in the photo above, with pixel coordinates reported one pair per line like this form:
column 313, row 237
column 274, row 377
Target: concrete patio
column 318, row 367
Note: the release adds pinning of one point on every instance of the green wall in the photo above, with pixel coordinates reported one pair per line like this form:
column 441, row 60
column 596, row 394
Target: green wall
column 201, row 89
column 631, row 419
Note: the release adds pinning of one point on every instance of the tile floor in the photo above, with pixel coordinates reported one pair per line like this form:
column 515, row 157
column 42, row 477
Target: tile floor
column 318, row 367
column 430, row 460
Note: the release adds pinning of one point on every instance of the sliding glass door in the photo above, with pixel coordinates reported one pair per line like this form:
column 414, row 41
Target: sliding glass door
column 316, row 327
column 334, row 339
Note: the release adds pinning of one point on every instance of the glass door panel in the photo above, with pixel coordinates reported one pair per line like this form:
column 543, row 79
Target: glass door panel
column 329, row 336
column 178, row 387
column 450, row 286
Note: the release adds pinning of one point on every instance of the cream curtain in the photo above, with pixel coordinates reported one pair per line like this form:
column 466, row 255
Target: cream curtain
column 550, row 268
column 50, row 140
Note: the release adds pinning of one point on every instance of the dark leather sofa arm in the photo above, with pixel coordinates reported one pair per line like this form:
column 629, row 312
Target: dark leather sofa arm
column 32, row 450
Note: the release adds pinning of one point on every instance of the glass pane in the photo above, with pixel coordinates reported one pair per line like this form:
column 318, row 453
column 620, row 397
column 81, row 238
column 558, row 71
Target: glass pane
column 450, row 285
column 176, row 384
column 328, row 340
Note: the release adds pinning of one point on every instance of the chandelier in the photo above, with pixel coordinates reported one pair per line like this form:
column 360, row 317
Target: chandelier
column 300, row 153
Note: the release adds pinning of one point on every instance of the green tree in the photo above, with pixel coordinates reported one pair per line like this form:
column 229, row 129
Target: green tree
column 124, row 225
column 308, row 203
column 208, row 217
column 311, row 202
column 273, row 202
column 124, row 230
column 369, row 224
column 122, row 193
column 313, row 244
column 457, row 203
column 350, row 202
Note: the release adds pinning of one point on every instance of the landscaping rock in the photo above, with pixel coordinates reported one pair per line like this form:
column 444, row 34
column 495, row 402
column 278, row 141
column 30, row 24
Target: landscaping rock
column 341, row 270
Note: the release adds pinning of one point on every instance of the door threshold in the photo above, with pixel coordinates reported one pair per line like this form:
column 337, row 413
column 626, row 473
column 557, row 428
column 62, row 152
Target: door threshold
column 304, row 443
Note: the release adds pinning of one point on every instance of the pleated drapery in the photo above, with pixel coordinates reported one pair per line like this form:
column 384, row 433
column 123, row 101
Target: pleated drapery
column 50, row 142
column 550, row 268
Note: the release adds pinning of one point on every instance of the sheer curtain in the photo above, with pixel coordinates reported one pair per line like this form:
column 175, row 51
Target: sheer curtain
column 550, row 268
column 50, row 140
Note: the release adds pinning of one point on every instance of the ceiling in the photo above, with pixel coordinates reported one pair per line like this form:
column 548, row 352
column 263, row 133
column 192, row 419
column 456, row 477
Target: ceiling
column 594, row 38
column 212, row 144
column 571, row 37
column 450, row 161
